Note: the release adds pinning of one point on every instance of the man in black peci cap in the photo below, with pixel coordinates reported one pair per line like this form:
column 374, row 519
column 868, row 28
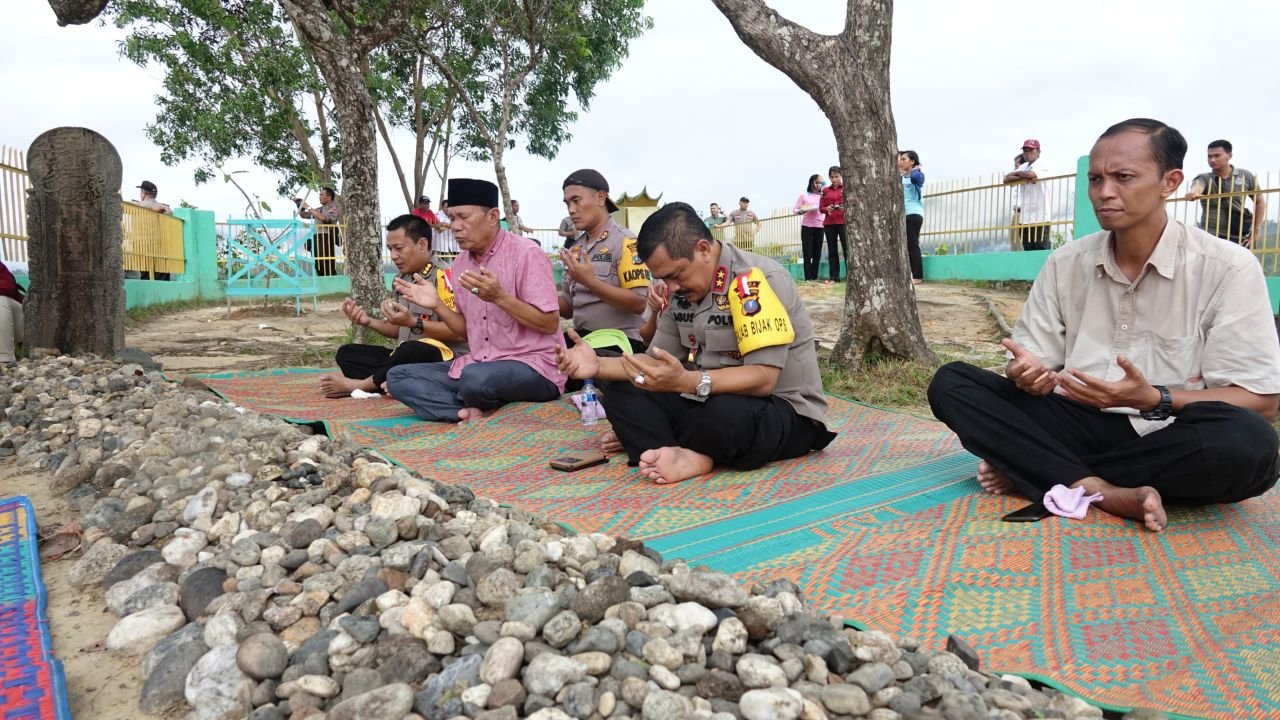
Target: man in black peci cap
column 506, row 309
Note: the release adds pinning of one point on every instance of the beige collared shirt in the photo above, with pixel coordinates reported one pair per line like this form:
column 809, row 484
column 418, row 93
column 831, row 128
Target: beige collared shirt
column 1197, row 316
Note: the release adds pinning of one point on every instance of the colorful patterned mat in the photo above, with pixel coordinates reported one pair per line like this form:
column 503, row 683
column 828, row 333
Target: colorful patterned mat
column 887, row 528
column 1187, row 620
column 609, row 498
column 31, row 681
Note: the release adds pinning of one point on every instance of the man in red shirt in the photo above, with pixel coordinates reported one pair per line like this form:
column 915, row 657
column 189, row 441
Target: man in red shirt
column 423, row 210
column 10, row 315
column 832, row 204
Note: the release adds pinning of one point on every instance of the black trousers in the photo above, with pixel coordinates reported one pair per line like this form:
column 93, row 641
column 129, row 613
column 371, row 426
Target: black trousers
column 371, row 361
column 1212, row 453
column 736, row 431
column 835, row 241
column 1035, row 237
column 914, row 223
column 574, row 385
column 324, row 244
column 811, row 247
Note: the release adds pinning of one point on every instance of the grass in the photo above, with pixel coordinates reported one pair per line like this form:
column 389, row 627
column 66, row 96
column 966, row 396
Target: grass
column 889, row 382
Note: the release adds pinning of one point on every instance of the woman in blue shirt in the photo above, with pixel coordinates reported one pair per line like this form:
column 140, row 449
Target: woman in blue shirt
column 913, row 204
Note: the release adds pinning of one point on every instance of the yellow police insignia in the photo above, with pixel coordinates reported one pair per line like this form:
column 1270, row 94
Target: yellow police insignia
column 759, row 318
column 632, row 273
column 444, row 288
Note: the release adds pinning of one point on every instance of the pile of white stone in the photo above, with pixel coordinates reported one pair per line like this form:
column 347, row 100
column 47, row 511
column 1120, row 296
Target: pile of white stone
column 261, row 571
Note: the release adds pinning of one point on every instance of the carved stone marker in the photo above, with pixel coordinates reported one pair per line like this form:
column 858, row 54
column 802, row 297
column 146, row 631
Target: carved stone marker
column 76, row 299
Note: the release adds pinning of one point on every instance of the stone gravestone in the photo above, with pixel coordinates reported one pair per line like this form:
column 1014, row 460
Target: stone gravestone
column 76, row 299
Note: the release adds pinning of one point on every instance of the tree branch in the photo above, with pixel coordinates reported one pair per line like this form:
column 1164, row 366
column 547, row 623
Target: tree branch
column 800, row 53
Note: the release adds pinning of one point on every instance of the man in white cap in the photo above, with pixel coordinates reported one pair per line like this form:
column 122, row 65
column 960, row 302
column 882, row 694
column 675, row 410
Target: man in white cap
column 1035, row 212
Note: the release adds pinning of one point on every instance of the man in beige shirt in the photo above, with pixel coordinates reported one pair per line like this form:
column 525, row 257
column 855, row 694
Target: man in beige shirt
column 1145, row 366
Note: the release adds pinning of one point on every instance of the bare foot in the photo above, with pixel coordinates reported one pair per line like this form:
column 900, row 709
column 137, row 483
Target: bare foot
column 994, row 481
column 472, row 414
column 668, row 465
column 1142, row 504
column 916, row 281
column 387, row 392
column 336, row 385
column 609, row 443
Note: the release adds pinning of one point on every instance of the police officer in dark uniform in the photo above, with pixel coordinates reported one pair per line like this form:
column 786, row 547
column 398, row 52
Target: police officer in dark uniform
column 422, row 337
column 732, row 376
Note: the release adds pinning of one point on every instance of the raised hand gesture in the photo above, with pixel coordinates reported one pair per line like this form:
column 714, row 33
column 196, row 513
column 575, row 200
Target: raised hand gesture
column 397, row 314
column 355, row 313
column 658, row 296
column 579, row 360
column 1131, row 391
column 1027, row 372
column 483, row 284
column 419, row 292
column 576, row 264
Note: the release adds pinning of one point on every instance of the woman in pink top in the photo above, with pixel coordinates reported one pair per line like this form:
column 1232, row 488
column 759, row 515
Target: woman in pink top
column 810, row 225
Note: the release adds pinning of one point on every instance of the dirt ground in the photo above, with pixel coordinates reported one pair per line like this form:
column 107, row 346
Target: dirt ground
column 955, row 318
column 101, row 685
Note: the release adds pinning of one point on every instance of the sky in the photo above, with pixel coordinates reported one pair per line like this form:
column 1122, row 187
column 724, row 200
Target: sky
column 694, row 115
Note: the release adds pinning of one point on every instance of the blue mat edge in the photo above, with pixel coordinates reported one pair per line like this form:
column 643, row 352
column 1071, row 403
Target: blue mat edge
column 32, row 548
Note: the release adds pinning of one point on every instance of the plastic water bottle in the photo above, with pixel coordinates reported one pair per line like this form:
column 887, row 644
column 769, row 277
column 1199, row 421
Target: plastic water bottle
column 590, row 403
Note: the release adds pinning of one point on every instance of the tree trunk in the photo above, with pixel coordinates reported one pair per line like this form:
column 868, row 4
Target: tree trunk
column 362, row 236
column 848, row 76
column 341, row 61
column 77, row 12
column 504, row 192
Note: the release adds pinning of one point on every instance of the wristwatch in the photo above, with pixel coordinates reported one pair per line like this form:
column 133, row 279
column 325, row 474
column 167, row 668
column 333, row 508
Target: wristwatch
column 1162, row 410
column 704, row 385
column 417, row 327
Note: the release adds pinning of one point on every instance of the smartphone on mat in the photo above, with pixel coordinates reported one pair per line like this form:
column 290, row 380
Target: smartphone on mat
column 569, row 463
column 1035, row 512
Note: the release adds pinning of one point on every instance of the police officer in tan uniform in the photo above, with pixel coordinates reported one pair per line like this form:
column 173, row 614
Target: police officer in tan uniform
column 732, row 377
column 605, row 283
column 422, row 337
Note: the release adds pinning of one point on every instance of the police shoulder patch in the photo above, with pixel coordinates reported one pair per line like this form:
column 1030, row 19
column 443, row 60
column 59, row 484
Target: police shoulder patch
column 760, row 319
column 444, row 288
column 632, row 272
